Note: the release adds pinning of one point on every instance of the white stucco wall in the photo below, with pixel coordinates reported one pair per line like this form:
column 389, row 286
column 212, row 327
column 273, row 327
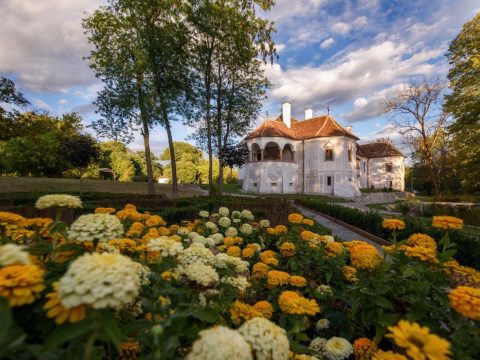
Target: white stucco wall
column 380, row 178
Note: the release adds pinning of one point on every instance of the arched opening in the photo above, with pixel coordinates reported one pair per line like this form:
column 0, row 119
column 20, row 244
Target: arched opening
column 287, row 153
column 256, row 153
column 329, row 152
column 389, row 167
column 272, row 151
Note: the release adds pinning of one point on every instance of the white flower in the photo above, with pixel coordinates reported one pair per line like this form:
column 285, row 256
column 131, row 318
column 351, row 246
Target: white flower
column 223, row 211
column 236, row 214
column 224, row 261
column 220, row 343
column 247, row 214
column 210, row 225
column 264, row 223
column 237, row 221
column 107, row 248
column 100, row 280
column 58, row 200
column 324, row 290
column 224, row 222
column 192, row 234
column 183, row 231
column 166, row 246
column 322, row 324
column 246, row 229
column 231, row 231
column 201, row 274
column 217, row 238
column 317, row 344
column 328, row 238
column 199, row 239
column 337, row 348
column 100, row 227
column 239, row 282
column 13, row 254
column 197, row 252
column 204, row 214
column 268, row 340
column 143, row 272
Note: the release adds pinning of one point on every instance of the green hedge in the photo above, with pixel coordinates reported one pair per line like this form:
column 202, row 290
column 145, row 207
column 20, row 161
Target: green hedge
column 468, row 244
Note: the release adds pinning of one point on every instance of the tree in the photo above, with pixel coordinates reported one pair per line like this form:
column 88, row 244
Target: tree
column 11, row 96
column 182, row 148
column 464, row 101
column 125, row 103
column 418, row 113
column 235, row 155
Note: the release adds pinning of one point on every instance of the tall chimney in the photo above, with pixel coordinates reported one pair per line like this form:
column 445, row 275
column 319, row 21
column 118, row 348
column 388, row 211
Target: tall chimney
column 308, row 114
column 348, row 128
column 286, row 114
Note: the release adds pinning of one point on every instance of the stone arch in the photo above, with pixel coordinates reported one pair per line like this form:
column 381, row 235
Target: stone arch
column 288, row 153
column 271, row 151
column 256, row 152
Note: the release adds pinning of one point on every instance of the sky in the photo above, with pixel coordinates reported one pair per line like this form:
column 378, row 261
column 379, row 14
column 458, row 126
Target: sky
column 348, row 55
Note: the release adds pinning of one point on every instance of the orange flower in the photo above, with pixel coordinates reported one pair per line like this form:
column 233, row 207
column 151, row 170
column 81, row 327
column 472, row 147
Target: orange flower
column 248, row 253
column 292, row 303
column 55, row 309
column 364, row 349
column 466, row 301
column 298, row 281
column 393, row 224
column 21, row 284
column 234, row 251
column 295, row 218
column 365, row 257
column 260, row 270
column 280, row 229
column 265, row 308
column 447, row 222
column 277, row 278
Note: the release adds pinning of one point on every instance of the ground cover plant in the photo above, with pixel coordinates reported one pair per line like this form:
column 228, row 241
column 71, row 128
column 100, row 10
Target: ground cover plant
column 225, row 284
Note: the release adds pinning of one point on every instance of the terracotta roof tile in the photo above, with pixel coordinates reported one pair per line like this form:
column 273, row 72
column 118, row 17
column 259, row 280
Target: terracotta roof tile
column 320, row 126
column 378, row 149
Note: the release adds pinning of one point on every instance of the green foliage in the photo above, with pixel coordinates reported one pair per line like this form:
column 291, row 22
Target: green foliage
column 181, row 149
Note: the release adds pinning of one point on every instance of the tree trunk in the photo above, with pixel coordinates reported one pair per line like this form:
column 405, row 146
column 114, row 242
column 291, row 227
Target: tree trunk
column 209, row 128
column 146, row 136
column 173, row 162
column 219, row 132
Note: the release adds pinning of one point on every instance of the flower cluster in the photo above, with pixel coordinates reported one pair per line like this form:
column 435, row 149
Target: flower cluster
column 291, row 302
column 393, row 224
column 58, row 200
column 447, row 222
column 96, row 227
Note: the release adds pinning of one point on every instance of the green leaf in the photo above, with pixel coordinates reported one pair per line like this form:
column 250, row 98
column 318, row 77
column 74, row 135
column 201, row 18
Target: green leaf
column 65, row 333
column 109, row 327
column 206, row 314
column 383, row 302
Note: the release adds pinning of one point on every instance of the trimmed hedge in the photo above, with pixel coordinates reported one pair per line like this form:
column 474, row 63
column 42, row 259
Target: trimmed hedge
column 468, row 244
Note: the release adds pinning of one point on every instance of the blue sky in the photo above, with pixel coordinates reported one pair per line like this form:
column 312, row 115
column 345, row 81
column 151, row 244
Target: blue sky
column 348, row 55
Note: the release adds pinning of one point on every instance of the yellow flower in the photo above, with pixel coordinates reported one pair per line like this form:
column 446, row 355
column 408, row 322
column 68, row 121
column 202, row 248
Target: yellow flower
column 364, row 349
column 393, row 224
column 447, row 222
column 240, row 312
column 287, row 249
column 389, row 248
column 466, row 301
column 260, row 270
column 166, row 275
column 155, row 220
column 234, row 251
column 295, row 218
column 350, row 273
column 351, row 244
column 267, row 254
column 308, row 222
column 418, row 342
column 334, row 248
column 422, row 240
column 232, row 240
column 248, row 253
column 424, row 254
column 277, row 278
column 388, row 355
column 365, row 257
column 129, row 350
column 292, row 303
column 21, row 284
column 298, row 281
column 307, row 235
column 254, row 246
column 462, row 275
column 163, row 231
column 10, row 218
column 107, row 210
column 55, row 309
column 124, row 245
column 280, row 229
column 264, row 308
column 136, row 229
column 270, row 231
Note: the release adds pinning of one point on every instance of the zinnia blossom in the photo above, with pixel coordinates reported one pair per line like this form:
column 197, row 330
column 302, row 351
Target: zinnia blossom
column 58, row 200
column 365, row 257
column 292, row 303
column 60, row 313
column 422, row 240
column 364, row 349
column 337, row 348
column 21, row 284
column 447, row 222
column 466, row 301
column 393, row 224
column 295, row 218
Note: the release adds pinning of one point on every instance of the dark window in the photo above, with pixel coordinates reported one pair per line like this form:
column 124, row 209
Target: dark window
column 391, row 184
column 274, row 184
column 329, row 181
column 388, row 167
column 350, row 155
column 364, row 167
column 255, row 184
column 328, row 154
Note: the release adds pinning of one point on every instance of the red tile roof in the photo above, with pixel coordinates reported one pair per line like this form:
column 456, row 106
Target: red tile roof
column 378, row 149
column 320, row 126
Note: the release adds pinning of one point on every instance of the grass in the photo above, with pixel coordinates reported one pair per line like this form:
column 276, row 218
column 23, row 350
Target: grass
column 10, row 187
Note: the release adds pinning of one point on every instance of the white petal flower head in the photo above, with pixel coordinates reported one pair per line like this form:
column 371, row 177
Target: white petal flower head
column 192, row 234
column 247, row 214
column 183, row 231
column 337, row 348
column 223, row 261
column 13, row 254
column 203, row 275
column 317, row 344
column 328, row 238
column 237, row 221
column 100, row 227
column 58, row 200
column 231, row 231
column 166, row 246
column 268, row 340
column 220, row 343
column 204, row 214
column 322, row 324
column 239, row 282
column 224, row 222
column 217, row 238
column 264, row 223
column 101, row 281
column 246, row 229
column 236, row 214
column 324, row 290
column 199, row 239
column 211, row 226
column 197, row 252
column 223, row 211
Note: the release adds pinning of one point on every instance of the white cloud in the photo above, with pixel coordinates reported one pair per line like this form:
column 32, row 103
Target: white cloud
column 327, row 43
column 62, row 101
column 360, row 21
column 42, row 43
column 341, row 28
column 280, row 47
column 41, row 105
column 287, row 10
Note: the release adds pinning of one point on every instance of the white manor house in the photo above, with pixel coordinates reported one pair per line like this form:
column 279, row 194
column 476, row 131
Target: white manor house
column 317, row 156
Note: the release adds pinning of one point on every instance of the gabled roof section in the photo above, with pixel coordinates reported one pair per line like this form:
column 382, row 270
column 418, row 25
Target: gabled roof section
column 320, row 126
column 379, row 149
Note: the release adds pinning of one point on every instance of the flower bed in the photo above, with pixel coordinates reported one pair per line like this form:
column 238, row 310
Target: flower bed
column 225, row 285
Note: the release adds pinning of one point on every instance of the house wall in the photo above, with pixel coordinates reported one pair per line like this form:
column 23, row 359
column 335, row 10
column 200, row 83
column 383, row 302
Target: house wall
column 380, row 178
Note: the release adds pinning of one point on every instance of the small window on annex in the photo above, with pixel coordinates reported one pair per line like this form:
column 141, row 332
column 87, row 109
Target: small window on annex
column 388, row 167
column 329, row 152
column 256, row 153
column 350, row 151
column 329, row 181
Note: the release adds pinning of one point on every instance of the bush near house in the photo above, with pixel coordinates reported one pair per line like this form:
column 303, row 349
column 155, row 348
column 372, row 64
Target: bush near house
column 468, row 243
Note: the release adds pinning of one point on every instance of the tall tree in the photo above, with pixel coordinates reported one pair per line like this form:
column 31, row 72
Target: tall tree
column 464, row 101
column 13, row 98
column 417, row 111
column 125, row 102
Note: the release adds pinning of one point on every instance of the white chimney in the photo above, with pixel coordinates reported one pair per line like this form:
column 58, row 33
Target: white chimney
column 348, row 128
column 308, row 114
column 286, row 114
